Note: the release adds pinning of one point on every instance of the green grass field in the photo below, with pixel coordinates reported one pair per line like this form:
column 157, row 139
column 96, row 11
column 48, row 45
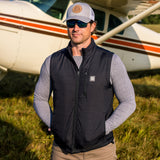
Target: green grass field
column 155, row 27
column 23, row 136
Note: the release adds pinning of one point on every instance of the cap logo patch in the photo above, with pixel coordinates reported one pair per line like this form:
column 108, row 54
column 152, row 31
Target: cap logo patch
column 77, row 9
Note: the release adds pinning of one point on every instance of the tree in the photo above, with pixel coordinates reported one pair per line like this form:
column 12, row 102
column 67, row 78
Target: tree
column 152, row 19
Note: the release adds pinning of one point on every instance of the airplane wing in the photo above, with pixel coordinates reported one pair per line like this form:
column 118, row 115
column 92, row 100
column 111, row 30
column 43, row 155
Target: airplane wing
column 127, row 7
column 131, row 21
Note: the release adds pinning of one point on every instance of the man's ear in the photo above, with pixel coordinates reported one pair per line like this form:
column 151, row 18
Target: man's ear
column 93, row 27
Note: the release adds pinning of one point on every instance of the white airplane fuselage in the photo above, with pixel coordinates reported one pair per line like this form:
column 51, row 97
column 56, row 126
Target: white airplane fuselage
column 29, row 35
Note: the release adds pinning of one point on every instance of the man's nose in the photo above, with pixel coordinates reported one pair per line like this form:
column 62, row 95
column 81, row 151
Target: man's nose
column 76, row 27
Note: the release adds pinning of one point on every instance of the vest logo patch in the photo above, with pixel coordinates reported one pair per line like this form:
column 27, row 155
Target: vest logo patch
column 92, row 78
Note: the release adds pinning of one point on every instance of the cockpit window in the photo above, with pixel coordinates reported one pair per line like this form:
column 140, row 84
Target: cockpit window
column 100, row 18
column 113, row 23
column 55, row 8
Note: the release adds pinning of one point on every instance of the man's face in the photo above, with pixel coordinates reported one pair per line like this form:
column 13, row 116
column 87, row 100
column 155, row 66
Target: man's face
column 81, row 35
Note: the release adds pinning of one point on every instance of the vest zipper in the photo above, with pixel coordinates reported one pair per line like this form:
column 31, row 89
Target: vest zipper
column 75, row 110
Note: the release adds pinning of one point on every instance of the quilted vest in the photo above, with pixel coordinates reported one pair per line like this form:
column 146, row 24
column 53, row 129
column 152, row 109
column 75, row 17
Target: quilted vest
column 82, row 99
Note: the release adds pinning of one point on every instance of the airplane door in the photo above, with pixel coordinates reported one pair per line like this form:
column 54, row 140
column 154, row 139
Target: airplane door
column 9, row 33
column 39, row 39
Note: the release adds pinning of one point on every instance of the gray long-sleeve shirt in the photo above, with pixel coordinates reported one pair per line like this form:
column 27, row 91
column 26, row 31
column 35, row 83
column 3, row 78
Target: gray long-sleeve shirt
column 122, row 87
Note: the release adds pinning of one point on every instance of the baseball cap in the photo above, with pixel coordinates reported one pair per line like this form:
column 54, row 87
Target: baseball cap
column 80, row 11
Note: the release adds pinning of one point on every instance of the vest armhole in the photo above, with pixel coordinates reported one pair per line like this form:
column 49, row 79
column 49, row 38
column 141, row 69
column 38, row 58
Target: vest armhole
column 109, row 61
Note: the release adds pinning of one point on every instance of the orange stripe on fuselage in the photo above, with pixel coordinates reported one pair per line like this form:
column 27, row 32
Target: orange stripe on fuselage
column 130, row 44
column 34, row 25
column 134, row 45
column 64, row 31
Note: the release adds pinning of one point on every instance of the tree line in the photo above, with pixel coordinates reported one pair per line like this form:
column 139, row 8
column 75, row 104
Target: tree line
column 152, row 19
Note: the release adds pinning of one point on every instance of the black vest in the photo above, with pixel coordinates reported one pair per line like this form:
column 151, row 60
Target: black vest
column 82, row 99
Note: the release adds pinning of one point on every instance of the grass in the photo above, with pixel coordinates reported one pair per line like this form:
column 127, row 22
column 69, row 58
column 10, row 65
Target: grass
column 155, row 27
column 24, row 137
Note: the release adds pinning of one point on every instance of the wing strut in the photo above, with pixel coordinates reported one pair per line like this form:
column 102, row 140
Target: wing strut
column 3, row 72
column 127, row 23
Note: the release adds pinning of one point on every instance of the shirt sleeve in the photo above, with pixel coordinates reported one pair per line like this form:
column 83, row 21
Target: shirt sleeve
column 42, row 94
column 124, row 92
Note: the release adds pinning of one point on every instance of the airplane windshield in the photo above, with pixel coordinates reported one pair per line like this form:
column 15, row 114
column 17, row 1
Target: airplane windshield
column 100, row 18
column 113, row 23
column 55, row 8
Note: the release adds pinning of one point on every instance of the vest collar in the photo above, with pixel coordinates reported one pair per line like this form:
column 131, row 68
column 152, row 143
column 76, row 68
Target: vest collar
column 89, row 51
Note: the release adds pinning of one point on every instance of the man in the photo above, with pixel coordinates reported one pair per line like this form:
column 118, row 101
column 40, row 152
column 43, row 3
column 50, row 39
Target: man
column 83, row 78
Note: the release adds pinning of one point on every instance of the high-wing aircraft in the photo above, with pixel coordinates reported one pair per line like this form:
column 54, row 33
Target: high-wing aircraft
column 31, row 30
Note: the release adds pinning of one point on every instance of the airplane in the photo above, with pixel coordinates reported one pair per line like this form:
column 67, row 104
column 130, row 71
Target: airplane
column 31, row 30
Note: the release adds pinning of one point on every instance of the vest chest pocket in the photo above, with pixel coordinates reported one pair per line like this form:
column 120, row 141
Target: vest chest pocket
column 96, row 82
column 97, row 87
column 64, row 82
